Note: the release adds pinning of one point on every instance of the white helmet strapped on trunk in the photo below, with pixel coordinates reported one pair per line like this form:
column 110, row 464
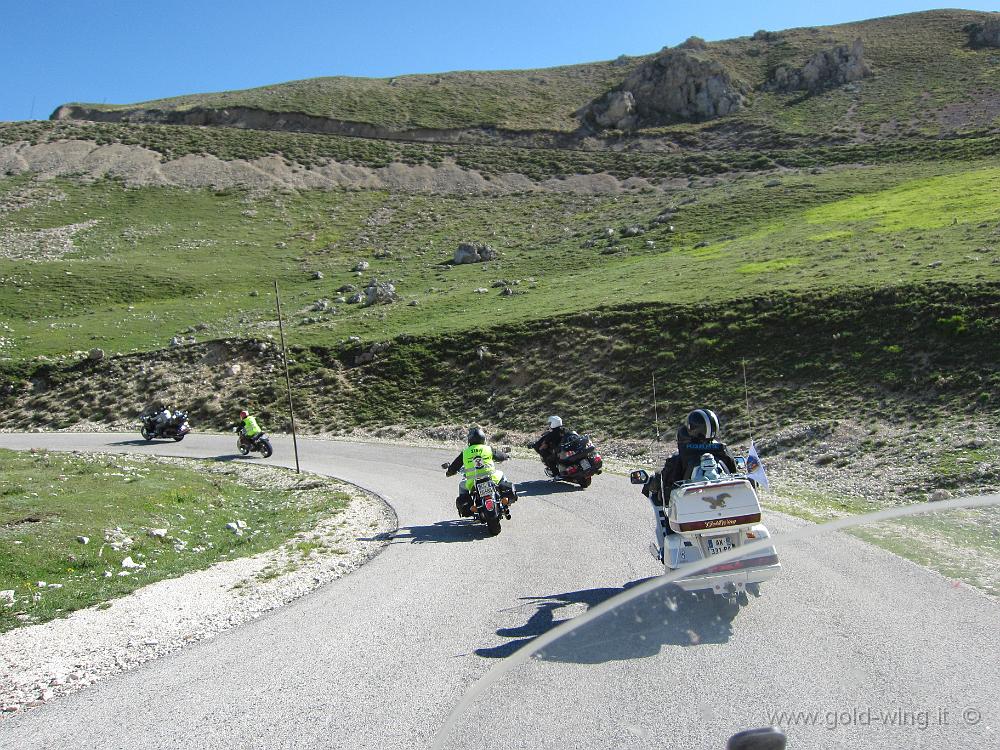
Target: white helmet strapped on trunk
column 554, row 422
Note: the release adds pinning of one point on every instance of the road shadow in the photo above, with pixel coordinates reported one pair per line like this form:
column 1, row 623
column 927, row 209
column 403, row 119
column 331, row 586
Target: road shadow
column 453, row 530
column 143, row 441
column 666, row 616
column 230, row 457
column 541, row 487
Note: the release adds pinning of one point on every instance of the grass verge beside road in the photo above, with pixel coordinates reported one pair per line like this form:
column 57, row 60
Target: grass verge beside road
column 144, row 521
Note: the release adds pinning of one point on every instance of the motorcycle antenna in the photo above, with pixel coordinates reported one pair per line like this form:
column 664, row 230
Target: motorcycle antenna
column 288, row 381
column 656, row 416
column 746, row 395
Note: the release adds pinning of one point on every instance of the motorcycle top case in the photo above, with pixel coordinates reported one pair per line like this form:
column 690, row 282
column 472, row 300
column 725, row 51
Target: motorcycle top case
column 698, row 507
column 575, row 447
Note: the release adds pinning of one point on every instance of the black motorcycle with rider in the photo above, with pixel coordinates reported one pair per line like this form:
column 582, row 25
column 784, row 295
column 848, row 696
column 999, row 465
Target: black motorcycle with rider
column 163, row 423
column 567, row 455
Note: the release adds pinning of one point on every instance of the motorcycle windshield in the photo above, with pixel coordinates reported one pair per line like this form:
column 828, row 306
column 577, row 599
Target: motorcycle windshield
column 879, row 631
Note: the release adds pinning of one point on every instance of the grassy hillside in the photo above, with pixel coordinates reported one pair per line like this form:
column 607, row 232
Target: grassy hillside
column 844, row 244
column 927, row 82
column 195, row 257
column 515, row 99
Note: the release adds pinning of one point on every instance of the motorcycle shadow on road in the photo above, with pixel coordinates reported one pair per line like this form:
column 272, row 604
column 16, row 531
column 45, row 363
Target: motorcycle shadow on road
column 539, row 487
column 666, row 616
column 453, row 530
column 143, row 441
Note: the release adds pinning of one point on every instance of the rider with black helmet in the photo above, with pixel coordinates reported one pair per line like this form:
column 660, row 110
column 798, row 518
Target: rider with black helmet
column 697, row 436
column 478, row 459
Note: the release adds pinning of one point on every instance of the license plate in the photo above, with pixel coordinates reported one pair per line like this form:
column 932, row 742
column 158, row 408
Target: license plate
column 585, row 464
column 483, row 488
column 720, row 544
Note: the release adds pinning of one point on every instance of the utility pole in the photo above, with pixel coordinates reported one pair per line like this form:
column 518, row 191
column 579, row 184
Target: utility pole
column 288, row 380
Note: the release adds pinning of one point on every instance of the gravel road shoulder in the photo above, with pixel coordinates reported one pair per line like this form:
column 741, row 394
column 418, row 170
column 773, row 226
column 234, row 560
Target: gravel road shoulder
column 46, row 661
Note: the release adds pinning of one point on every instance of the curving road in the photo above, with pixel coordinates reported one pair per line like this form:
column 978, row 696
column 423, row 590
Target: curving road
column 378, row 658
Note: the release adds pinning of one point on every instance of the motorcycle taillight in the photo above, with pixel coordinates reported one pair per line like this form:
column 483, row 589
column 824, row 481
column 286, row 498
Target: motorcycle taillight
column 489, row 503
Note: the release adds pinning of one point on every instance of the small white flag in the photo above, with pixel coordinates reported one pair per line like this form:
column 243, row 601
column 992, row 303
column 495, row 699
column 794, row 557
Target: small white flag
column 755, row 469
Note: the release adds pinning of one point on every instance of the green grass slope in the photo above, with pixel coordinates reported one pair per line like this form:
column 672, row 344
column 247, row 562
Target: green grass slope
column 147, row 264
column 517, row 99
column 927, row 82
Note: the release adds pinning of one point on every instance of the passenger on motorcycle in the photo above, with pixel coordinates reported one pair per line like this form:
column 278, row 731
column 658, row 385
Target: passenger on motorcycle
column 548, row 444
column 162, row 420
column 696, row 437
column 478, row 460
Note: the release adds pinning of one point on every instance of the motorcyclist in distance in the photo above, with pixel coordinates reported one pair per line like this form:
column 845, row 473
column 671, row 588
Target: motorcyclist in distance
column 247, row 426
column 478, row 459
column 548, row 444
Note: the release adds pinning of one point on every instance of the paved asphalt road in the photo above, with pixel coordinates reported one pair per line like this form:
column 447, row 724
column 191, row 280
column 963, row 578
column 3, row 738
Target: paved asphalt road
column 862, row 639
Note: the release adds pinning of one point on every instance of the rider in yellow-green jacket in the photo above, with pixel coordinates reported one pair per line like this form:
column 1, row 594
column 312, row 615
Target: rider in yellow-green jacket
column 247, row 426
column 479, row 460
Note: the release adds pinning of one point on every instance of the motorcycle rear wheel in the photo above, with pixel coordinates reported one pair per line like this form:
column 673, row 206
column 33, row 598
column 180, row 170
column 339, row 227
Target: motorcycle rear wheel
column 585, row 483
column 265, row 449
column 493, row 524
column 178, row 438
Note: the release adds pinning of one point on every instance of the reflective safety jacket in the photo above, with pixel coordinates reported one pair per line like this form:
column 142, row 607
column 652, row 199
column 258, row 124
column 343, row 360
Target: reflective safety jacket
column 250, row 427
column 478, row 463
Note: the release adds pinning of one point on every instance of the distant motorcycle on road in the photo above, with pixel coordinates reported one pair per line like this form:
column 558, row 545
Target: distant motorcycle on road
column 175, row 426
column 577, row 460
column 259, row 443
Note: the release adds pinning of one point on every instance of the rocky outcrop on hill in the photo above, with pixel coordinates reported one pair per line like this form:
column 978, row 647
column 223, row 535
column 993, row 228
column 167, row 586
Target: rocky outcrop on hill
column 473, row 252
column 678, row 85
column 986, row 34
column 826, row 69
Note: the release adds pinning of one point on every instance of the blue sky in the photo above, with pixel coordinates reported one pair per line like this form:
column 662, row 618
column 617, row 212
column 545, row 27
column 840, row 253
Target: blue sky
column 120, row 51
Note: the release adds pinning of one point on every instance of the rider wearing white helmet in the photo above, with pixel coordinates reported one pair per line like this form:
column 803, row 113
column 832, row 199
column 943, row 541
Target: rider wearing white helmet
column 548, row 444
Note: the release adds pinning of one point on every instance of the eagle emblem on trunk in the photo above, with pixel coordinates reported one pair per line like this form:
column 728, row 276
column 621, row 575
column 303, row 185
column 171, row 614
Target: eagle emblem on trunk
column 717, row 501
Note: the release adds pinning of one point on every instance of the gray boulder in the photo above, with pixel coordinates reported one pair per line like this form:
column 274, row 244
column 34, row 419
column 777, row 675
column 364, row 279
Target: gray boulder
column 379, row 293
column 361, row 265
column 827, row 69
column 617, row 111
column 96, row 355
column 678, row 85
column 368, row 355
column 474, row 252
